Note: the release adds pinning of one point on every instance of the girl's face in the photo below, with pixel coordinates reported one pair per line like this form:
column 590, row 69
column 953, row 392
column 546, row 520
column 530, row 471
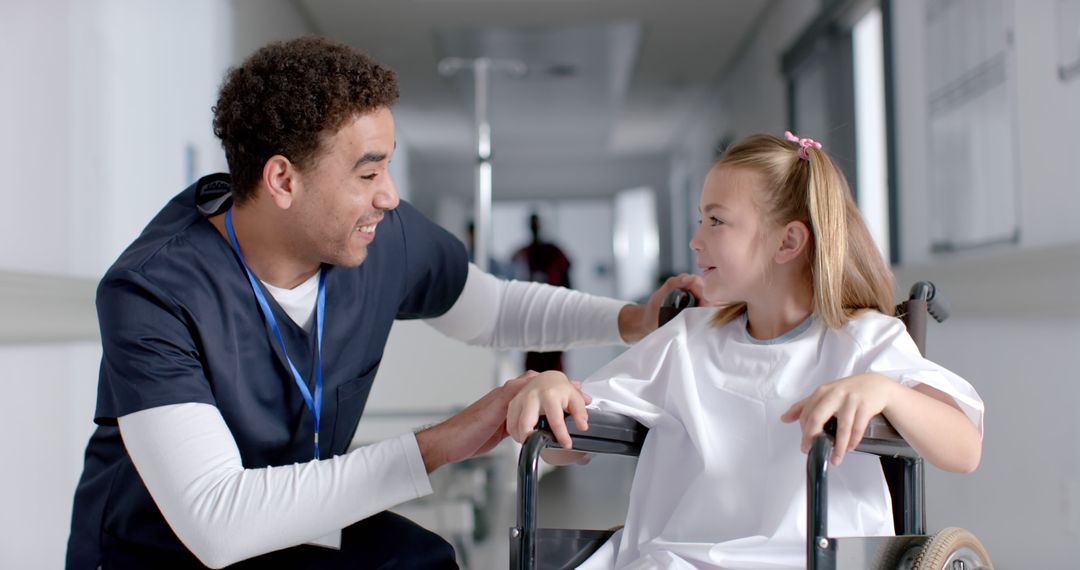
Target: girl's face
column 733, row 239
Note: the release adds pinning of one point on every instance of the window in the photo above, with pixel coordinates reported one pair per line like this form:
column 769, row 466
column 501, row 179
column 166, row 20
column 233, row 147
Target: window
column 837, row 75
column 971, row 148
column 871, row 143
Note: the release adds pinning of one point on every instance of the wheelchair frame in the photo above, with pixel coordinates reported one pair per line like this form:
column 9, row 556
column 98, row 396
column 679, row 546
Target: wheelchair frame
column 615, row 434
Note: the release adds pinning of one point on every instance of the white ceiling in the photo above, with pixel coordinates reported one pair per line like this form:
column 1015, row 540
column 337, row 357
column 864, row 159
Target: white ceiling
column 606, row 78
column 636, row 66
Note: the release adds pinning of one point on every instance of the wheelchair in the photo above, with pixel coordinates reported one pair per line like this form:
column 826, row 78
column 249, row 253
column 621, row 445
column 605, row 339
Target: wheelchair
column 533, row 548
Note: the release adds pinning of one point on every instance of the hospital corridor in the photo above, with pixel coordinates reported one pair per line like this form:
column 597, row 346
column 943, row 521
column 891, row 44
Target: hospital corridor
column 332, row 284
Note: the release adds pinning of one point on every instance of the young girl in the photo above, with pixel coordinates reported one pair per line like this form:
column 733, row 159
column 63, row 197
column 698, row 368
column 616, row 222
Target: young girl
column 803, row 333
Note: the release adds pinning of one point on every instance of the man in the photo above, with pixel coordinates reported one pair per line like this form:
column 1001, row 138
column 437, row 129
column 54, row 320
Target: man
column 241, row 333
column 542, row 262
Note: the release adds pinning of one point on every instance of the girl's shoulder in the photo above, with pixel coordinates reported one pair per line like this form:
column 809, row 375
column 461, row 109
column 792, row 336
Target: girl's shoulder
column 871, row 319
column 870, row 328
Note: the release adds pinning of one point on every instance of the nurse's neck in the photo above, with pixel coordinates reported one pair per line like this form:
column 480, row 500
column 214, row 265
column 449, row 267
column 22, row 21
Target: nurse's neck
column 778, row 311
column 268, row 251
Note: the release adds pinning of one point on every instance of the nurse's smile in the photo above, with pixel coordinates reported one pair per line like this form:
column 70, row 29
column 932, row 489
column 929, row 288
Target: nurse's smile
column 367, row 231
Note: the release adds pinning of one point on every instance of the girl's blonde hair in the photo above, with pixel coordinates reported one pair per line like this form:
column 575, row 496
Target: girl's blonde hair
column 846, row 270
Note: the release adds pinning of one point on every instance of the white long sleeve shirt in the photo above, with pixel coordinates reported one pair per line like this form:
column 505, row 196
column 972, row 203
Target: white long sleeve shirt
column 225, row 513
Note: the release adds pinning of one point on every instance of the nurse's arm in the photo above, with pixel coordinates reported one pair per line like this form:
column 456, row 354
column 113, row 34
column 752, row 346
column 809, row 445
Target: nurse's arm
column 224, row 513
column 534, row 316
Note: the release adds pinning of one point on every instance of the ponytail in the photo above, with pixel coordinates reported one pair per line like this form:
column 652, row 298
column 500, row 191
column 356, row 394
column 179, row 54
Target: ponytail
column 825, row 194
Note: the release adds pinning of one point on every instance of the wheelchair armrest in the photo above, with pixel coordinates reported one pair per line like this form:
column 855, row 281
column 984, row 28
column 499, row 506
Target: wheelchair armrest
column 902, row 468
column 608, row 433
column 880, row 439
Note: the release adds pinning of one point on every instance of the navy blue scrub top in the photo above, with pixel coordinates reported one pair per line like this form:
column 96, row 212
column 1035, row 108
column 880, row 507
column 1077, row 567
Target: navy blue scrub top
column 180, row 323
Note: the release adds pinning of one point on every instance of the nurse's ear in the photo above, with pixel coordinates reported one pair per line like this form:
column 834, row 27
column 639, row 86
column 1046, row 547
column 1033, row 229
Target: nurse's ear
column 279, row 179
column 794, row 240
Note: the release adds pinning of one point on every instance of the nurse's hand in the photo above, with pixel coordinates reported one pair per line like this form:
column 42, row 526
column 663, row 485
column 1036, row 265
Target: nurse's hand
column 472, row 431
column 853, row 400
column 636, row 321
column 548, row 394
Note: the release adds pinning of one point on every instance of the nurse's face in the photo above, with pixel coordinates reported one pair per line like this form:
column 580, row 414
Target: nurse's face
column 347, row 190
column 732, row 239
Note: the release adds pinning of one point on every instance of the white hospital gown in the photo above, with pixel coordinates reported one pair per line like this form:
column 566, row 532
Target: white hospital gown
column 721, row 480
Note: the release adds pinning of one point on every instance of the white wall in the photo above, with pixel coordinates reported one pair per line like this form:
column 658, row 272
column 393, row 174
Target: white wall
column 43, row 432
column 103, row 103
column 1014, row 333
column 32, row 115
column 258, row 22
column 1016, row 324
column 1046, row 115
column 1049, row 116
column 111, row 96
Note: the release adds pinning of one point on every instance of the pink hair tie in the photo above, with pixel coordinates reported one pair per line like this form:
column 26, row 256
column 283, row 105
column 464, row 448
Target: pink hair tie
column 804, row 143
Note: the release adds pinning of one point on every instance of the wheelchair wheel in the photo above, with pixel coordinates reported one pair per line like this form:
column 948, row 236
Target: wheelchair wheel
column 953, row 549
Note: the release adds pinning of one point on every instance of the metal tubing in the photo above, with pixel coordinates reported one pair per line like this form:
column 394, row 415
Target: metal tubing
column 482, row 201
column 482, row 68
column 915, row 510
column 817, row 493
column 523, row 543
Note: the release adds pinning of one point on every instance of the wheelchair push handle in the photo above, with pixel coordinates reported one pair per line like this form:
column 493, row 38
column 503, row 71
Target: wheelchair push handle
column 936, row 304
column 673, row 303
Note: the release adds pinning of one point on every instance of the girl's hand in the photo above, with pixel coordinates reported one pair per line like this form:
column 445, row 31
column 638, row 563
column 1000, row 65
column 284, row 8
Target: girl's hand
column 548, row 394
column 853, row 400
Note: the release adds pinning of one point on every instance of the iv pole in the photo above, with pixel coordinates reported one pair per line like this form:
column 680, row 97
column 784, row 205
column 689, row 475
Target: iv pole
column 482, row 68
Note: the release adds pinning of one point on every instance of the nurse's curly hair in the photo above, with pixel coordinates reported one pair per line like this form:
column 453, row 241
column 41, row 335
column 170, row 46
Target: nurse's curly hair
column 287, row 96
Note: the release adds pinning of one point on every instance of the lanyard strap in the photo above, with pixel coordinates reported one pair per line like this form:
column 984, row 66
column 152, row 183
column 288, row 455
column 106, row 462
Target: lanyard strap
column 314, row 404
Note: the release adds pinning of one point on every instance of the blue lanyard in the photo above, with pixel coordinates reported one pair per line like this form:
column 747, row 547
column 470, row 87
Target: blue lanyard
column 313, row 404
